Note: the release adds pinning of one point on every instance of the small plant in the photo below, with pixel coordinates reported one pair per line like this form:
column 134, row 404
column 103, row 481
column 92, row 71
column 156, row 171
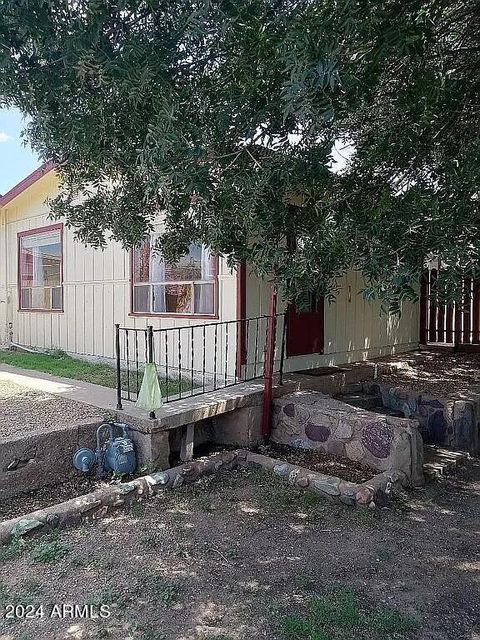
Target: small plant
column 137, row 509
column 384, row 555
column 109, row 595
column 167, row 593
column 148, row 468
column 147, row 632
column 13, row 549
column 50, row 551
column 304, row 581
column 391, row 621
column 340, row 616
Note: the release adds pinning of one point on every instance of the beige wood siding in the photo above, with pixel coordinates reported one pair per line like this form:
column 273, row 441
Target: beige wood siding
column 97, row 295
column 354, row 329
column 96, row 287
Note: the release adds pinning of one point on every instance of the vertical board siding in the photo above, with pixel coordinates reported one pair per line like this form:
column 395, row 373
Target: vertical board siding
column 450, row 324
column 354, row 328
column 96, row 287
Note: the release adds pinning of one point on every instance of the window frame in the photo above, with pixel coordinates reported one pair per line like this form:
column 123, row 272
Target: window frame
column 32, row 232
column 170, row 314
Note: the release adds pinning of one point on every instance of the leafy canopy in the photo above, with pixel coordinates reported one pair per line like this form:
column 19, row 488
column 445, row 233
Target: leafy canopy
column 224, row 113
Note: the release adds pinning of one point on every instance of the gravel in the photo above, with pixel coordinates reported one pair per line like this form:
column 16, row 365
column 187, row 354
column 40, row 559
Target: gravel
column 23, row 410
column 442, row 373
column 320, row 462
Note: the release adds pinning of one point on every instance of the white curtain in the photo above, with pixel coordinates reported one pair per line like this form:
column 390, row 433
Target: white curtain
column 157, row 274
column 204, row 292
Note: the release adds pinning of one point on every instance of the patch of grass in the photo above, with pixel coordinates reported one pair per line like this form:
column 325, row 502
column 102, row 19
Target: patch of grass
column 49, row 551
column 58, row 363
column 340, row 616
column 365, row 515
column 304, row 581
column 137, row 509
column 111, row 596
column 4, row 593
column 222, row 636
column 151, row 541
column 162, row 590
column 147, row 632
column 13, row 549
column 388, row 621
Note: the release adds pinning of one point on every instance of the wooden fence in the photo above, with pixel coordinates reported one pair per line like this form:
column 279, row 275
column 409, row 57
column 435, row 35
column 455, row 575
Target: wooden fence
column 456, row 324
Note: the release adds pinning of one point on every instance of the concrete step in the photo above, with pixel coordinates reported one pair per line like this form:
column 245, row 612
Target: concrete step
column 388, row 412
column 440, row 461
column 361, row 400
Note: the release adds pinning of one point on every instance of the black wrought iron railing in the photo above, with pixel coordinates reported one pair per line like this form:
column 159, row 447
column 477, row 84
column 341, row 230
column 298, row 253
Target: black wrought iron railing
column 195, row 359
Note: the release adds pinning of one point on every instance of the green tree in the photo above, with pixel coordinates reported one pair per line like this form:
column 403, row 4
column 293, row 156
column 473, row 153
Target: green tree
column 224, row 113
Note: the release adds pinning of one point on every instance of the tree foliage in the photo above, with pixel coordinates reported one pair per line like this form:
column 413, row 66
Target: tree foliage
column 224, row 113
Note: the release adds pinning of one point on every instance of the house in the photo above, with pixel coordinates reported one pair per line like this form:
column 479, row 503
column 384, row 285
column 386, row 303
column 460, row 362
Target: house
column 56, row 293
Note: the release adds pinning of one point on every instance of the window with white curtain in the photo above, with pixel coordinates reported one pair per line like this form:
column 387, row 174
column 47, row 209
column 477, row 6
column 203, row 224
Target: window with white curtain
column 187, row 287
column 40, row 270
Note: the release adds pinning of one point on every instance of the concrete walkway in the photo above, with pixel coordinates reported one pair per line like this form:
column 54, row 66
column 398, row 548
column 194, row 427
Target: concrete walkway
column 185, row 410
column 171, row 415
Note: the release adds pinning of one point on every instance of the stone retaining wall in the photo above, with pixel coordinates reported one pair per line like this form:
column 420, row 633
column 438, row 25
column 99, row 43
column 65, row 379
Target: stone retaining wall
column 451, row 423
column 312, row 420
column 98, row 504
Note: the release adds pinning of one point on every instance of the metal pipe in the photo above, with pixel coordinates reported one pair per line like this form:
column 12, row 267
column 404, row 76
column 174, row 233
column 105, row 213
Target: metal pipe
column 119, row 372
column 268, row 365
column 150, row 359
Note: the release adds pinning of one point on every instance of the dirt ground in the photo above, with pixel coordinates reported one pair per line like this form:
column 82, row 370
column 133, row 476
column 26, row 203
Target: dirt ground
column 23, row 410
column 442, row 373
column 241, row 556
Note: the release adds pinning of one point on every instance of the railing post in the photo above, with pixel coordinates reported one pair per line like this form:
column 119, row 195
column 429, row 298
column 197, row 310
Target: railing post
column 282, row 354
column 150, row 357
column 119, row 370
column 268, row 364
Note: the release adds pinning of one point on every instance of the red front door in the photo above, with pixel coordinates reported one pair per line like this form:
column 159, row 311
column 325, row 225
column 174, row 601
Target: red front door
column 305, row 329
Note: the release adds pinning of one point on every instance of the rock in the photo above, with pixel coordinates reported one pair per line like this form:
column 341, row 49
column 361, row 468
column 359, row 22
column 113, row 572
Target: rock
column 24, row 526
column 336, row 448
column 161, row 478
column 303, row 482
column 327, row 485
column 344, row 430
column 348, row 498
column 179, row 480
column 354, row 450
column 377, row 438
column 289, row 409
column 301, row 443
column 281, row 470
column 88, row 506
column 126, row 487
column 364, row 495
column 293, row 475
column 317, row 432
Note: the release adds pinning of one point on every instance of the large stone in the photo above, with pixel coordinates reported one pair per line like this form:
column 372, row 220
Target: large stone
column 465, row 427
column 377, row 438
column 327, row 485
column 24, row 526
column 317, row 432
column 344, row 430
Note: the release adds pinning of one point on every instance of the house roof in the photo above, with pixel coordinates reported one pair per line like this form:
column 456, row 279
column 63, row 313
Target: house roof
column 26, row 183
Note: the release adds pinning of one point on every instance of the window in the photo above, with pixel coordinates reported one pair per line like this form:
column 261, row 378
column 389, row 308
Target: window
column 40, row 269
column 187, row 287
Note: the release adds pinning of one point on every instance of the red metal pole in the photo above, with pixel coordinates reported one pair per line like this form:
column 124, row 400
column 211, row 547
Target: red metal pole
column 269, row 364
